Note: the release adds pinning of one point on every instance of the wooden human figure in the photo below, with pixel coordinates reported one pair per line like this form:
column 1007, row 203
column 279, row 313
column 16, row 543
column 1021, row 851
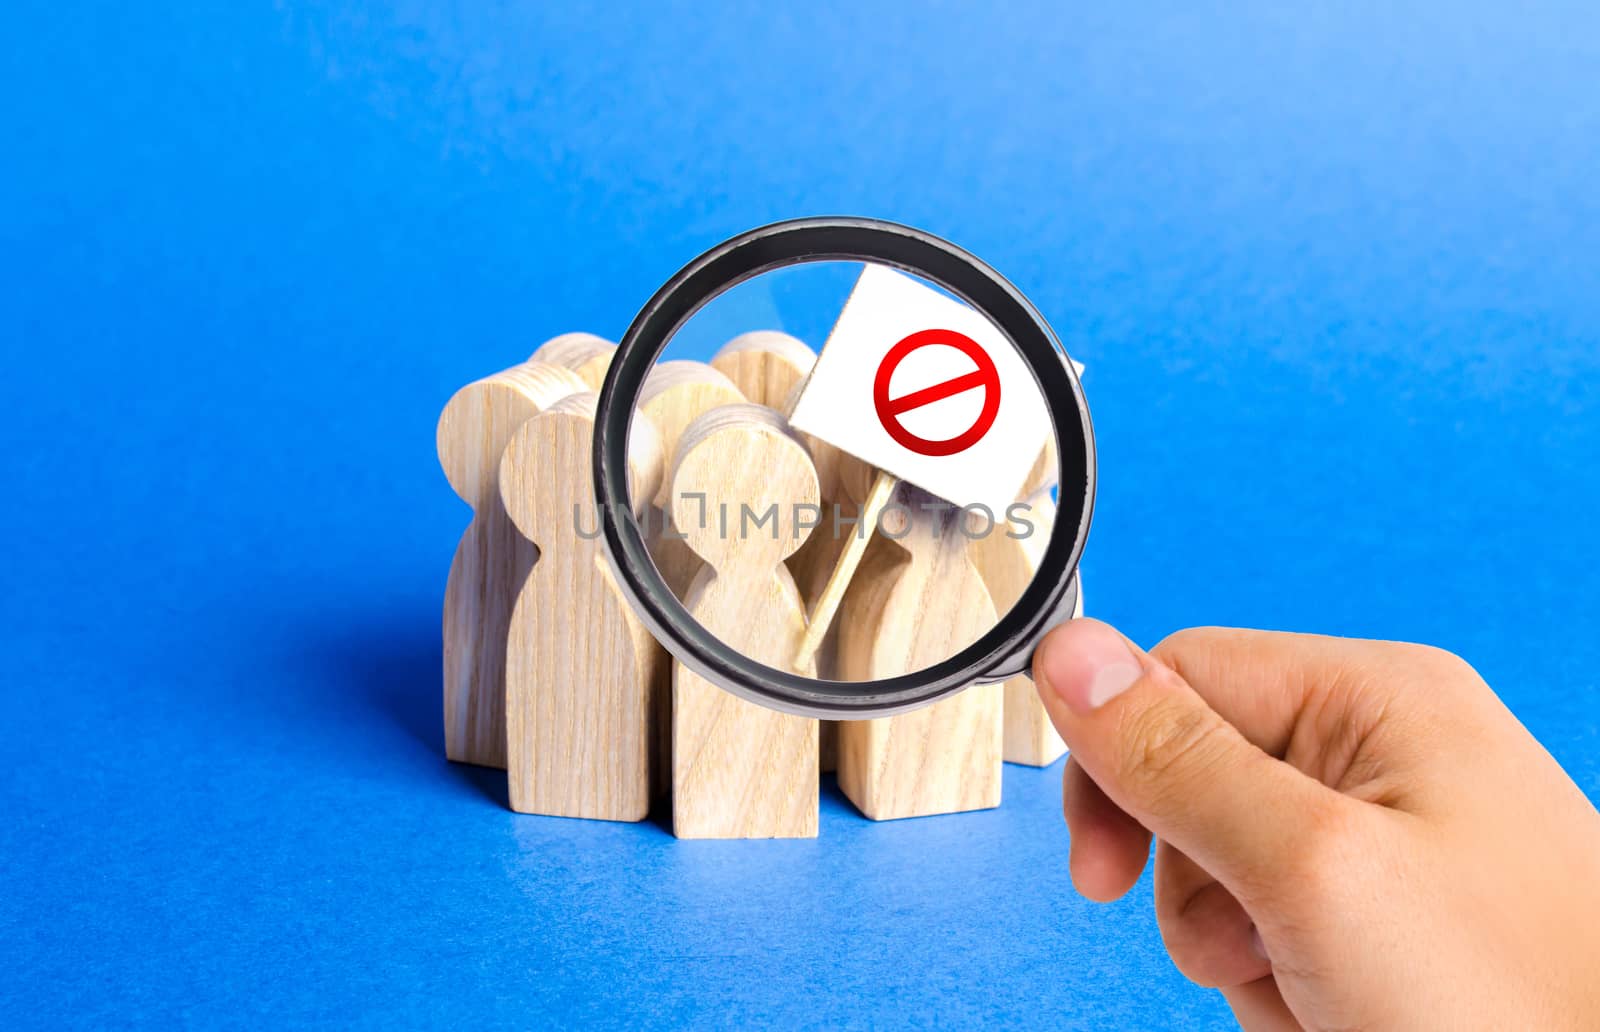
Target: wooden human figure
column 584, row 353
column 741, row 770
column 1007, row 557
column 916, row 600
column 584, row 679
column 493, row 559
column 674, row 395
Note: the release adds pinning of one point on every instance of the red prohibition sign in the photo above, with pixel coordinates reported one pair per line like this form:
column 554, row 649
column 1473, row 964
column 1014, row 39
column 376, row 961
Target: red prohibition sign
column 890, row 409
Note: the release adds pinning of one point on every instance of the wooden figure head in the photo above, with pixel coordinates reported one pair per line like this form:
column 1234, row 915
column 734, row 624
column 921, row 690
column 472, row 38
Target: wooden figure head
column 547, row 475
column 479, row 420
column 584, row 353
column 765, row 365
column 674, row 395
column 743, row 488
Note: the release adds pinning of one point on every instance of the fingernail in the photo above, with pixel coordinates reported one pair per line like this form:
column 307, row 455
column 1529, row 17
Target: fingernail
column 1087, row 664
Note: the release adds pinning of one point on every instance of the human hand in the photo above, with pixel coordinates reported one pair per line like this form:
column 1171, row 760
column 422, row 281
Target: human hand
column 1352, row 834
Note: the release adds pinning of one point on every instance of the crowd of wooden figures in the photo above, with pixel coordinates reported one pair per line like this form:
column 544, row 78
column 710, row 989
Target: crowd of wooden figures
column 549, row 674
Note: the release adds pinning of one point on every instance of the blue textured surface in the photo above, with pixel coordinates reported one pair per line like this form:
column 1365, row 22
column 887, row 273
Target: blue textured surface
column 1335, row 269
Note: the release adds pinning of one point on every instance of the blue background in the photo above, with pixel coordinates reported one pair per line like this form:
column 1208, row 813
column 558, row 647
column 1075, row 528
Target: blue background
column 1334, row 267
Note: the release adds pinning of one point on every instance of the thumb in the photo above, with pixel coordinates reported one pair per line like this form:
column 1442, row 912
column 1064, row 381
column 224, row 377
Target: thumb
column 1169, row 760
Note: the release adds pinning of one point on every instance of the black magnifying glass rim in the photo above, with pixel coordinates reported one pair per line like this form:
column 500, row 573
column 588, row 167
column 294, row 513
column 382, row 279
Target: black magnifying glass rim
column 853, row 239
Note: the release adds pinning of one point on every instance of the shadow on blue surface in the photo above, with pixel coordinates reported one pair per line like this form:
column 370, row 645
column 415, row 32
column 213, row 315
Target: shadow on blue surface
column 394, row 669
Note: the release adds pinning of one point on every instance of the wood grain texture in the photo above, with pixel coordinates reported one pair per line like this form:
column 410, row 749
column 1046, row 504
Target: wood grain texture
column 811, row 566
column 850, row 556
column 584, row 679
column 1007, row 564
column 674, row 395
column 916, row 601
column 492, row 559
column 829, row 461
column 741, row 770
column 583, row 353
column 674, row 559
column 765, row 365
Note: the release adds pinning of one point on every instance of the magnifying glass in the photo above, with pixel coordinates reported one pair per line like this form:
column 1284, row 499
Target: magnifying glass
column 853, row 287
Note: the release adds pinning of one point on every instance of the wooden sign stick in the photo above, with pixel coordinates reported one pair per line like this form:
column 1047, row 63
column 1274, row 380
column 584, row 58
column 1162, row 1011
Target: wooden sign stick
column 833, row 592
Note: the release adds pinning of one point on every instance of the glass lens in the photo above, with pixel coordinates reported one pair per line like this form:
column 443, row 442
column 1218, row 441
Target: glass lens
column 843, row 470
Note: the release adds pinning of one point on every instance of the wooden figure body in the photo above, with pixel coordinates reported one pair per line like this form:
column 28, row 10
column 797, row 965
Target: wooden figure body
column 583, row 353
column 584, row 679
column 493, row 559
column 916, row 600
column 1007, row 557
column 816, row 558
column 674, row 395
column 741, row 770
column 811, row 565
